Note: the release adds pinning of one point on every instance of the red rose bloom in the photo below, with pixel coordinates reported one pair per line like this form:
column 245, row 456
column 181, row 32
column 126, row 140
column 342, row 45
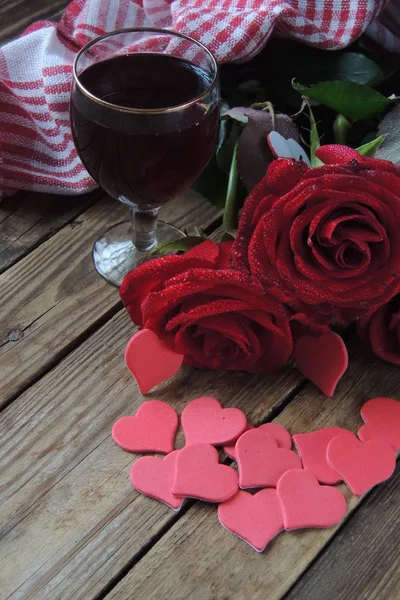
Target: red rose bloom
column 327, row 237
column 382, row 330
column 208, row 312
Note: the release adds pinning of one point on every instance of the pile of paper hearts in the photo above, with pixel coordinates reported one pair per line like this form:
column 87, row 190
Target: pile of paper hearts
column 291, row 496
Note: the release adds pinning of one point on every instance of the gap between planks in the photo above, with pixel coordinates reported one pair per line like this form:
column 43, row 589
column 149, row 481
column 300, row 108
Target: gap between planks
column 53, row 299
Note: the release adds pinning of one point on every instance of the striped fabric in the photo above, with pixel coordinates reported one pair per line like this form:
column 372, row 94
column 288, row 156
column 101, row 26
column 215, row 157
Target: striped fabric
column 36, row 148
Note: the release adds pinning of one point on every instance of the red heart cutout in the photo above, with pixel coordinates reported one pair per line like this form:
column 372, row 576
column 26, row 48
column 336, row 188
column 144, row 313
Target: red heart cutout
column 150, row 361
column 278, row 432
column 152, row 429
column 154, row 477
column 257, row 518
column 312, row 449
column 198, row 474
column 323, row 360
column 261, row 462
column 382, row 420
column 204, row 420
column 361, row 465
column 305, row 503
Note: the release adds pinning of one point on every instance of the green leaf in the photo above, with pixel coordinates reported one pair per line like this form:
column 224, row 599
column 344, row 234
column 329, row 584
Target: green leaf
column 371, row 148
column 312, row 65
column 341, row 127
column 184, row 243
column 225, row 151
column 231, row 214
column 390, row 127
column 284, row 60
column 212, row 183
column 236, row 116
column 224, row 107
column 229, row 236
column 336, row 66
column 314, row 138
column 223, row 132
column 268, row 106
column 352, row 100
column 351, row 66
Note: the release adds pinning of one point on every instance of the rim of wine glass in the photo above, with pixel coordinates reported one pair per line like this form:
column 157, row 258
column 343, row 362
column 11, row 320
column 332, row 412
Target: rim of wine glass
column 144, row 110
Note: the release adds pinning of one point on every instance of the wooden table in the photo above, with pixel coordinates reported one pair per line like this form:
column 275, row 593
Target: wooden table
column 71, row 526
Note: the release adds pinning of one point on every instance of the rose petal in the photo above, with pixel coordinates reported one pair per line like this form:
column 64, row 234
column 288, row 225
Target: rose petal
column 336, row 154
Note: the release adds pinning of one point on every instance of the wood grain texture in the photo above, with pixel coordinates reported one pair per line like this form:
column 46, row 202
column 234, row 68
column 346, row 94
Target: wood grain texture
column 16, row 15
column 28, row 219
column 363, row 561
column 198, row 559
column 70, row 519
column 54, row 296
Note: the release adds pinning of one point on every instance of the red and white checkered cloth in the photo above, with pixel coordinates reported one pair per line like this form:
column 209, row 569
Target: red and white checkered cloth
column 36, row 148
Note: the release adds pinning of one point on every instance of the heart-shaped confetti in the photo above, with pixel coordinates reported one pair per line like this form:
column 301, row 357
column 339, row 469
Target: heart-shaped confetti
column 198, row 474
column 154, row 477
column 322, row 359
column 152, row 429
column 277, row 431
column 382, row 420
column 305, row 503
column 150, row 361
column 204, row 420
column 361, row 465
column 257, row 518
column 264, row 459
column 312, row 449
column 229, row 449
column 261, row 462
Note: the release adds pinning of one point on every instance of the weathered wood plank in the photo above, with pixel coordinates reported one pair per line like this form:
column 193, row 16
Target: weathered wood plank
column 198, row 559
column 26, row 220
column 70, row 519
column 52, row 297
column 363, row 561
column 16, row 15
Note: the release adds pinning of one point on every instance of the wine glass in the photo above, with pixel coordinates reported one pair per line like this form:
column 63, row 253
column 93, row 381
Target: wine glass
column 145, row 116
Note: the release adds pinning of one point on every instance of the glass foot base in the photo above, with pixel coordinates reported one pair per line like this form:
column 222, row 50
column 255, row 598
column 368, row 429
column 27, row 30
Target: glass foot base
column 114, row 254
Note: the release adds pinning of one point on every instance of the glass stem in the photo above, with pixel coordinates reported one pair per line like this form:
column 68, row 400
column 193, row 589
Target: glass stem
column 144, row 228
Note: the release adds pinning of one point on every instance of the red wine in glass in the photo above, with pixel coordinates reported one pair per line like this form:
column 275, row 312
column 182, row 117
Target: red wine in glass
column 145, row 125
column 130, row 157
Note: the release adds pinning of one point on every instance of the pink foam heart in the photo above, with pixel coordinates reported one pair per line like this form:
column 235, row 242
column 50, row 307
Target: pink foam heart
column 204, row 420
column 150, row 361
column 305, row 503
column 229, row 449
column 278, row 432
column 261, row 462
column 198, row 474
column 361, row 465
column 154, row 477
column 323, row 360
column 257, row 518
column 312, row 449
column 152, row 429
column 382, row 420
